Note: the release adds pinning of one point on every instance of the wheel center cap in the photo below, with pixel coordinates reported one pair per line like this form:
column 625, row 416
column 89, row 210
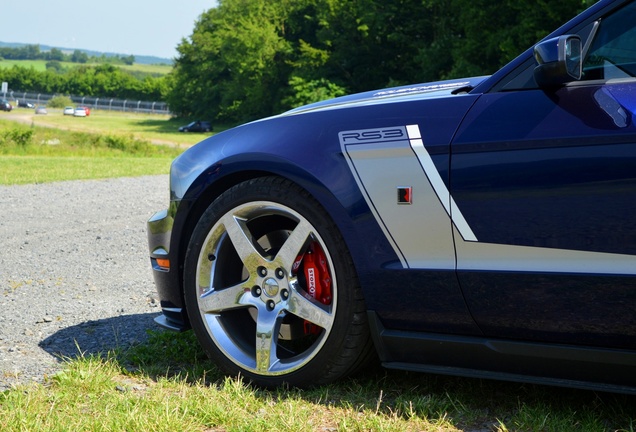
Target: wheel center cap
column 270, row 286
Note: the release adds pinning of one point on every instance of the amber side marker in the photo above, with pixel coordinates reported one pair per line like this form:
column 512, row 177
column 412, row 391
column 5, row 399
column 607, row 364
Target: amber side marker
column 163, row 263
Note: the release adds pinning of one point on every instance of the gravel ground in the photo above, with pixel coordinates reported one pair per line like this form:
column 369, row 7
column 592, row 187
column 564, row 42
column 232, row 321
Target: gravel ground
column 74, row 271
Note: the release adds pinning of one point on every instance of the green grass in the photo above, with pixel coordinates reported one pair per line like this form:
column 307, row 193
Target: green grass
column 40, row 66
column 167, row 384
column 45, row 169
column 35, row 154
column 155, row 69
column 152, row 127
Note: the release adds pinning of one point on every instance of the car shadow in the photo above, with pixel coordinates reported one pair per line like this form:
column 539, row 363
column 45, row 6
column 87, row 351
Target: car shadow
column 173, row 124
column 99, row 337
column 161, row 125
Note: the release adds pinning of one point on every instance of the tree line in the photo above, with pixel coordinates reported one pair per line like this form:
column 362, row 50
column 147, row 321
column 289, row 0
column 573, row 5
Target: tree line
column 33, row 52
column 100, row 79
column 247, row 59
column 103, row 80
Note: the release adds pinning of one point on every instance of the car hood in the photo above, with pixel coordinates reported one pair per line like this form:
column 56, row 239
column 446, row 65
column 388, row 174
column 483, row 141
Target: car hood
column 394, row 94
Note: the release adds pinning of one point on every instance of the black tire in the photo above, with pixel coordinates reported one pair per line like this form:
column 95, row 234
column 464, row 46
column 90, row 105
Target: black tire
column 244, row 287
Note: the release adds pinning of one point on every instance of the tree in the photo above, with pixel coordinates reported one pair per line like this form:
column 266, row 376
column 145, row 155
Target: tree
column 232, row 66
column 304, row 92
column 56, row 55
column 55, row 66
column 30, row 52
column 488, row 35
column 129, row 60
column 79, row 57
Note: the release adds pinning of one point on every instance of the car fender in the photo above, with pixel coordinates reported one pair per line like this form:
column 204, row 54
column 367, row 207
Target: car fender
column 272, row 147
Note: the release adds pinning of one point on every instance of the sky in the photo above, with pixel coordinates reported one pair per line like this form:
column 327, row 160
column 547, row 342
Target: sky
column 138, row 27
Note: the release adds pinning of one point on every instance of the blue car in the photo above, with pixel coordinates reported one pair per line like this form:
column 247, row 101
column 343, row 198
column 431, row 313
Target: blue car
column 481, row 227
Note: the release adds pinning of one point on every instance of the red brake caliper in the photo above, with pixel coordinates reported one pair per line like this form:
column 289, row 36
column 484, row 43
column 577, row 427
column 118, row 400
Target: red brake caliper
column 313, row 264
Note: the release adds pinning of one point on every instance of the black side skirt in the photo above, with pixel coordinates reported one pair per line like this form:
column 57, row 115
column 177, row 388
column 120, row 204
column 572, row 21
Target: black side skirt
column 477, row 357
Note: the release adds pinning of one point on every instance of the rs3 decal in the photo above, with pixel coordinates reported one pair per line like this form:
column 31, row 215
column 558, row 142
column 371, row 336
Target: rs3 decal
column 372, row 135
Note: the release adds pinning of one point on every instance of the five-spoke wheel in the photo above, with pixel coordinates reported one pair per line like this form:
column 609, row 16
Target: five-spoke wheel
column 270, row 289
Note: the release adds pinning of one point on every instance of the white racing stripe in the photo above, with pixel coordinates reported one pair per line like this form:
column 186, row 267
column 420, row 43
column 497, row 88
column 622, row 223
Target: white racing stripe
column 415, row 139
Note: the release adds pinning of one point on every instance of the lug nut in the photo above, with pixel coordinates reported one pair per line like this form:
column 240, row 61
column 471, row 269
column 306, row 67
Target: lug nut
column 280, row 273
column 284, row 294
column 271, row 305
column 256, row 291
column 262, row 271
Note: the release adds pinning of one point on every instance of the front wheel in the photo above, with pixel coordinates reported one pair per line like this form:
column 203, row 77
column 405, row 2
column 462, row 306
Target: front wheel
column 271, row 290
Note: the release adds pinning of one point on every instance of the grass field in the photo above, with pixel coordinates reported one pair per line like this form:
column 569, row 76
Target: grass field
column 160, row 129
column 40, row 65
column 45, row 169
column 37, row 153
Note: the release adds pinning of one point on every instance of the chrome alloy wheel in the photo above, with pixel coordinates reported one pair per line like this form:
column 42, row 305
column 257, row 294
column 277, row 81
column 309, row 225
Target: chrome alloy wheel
column 256, row 302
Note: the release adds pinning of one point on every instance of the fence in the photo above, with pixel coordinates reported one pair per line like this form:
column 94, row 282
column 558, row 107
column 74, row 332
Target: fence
column 109, row 104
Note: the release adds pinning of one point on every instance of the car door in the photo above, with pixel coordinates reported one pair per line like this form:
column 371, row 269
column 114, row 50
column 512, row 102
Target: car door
column 546, row 180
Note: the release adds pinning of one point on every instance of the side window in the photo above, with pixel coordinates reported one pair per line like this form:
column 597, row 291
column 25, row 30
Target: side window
column 612, row 53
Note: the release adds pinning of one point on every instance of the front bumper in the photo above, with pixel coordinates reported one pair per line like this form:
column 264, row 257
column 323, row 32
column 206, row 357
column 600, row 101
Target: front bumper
column 165, row 269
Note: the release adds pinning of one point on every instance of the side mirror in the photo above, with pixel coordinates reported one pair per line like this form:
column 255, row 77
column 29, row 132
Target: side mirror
column 559, row 61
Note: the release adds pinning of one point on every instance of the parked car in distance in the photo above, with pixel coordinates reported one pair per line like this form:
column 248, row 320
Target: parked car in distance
column 69, row 110
column 86, row 109
column 41, row 109
column 479, row 227
column 5, row 105
column 197, row 126
column 80, row 112
column 25, row 104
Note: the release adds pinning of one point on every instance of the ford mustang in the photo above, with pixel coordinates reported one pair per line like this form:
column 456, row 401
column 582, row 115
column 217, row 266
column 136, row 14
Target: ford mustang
column 481, row 227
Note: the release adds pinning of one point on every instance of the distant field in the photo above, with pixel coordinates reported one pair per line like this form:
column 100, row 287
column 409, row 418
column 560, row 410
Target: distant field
column 160, row 129
column 147, row 68
column 40, row 65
